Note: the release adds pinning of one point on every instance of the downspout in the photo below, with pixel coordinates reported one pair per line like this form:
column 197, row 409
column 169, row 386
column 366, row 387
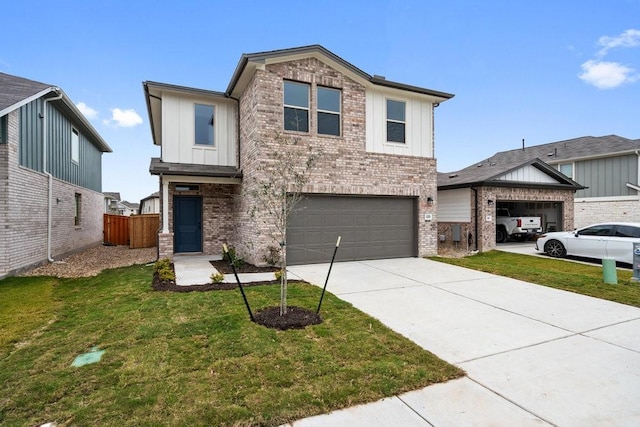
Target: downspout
column 45, row 161
column 237, row 128
column 475, row 191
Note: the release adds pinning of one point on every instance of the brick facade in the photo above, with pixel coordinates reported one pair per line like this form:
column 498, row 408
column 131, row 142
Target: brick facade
column 589, row 212
column 344, row 167
column 24, row 209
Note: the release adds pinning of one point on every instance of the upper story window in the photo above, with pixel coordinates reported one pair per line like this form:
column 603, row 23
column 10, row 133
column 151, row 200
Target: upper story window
column 296, row 106
column 566, row 169
column 3, row 130
column 328, row 111
column 395, row 121
column 204, row 123
column 75, row 146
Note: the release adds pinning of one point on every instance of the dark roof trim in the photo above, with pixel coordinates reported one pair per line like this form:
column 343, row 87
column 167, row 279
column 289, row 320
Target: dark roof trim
column 261, row 57
column 183, row 89
column 158, row 167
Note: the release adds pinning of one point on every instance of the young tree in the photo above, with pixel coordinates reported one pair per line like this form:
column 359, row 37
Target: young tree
column 277, row 191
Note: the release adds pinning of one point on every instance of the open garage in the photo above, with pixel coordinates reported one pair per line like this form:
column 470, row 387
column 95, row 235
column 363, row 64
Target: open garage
column 370, row 227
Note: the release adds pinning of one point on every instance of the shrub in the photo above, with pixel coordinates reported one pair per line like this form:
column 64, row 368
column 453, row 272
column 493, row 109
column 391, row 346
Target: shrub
column 233, row 258
column 217, row 277
column 164, row 270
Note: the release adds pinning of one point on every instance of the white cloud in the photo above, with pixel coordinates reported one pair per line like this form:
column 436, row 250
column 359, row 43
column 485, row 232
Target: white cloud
column 607, row 75
column 630, row 38
column 88, row 112
column 124, row 118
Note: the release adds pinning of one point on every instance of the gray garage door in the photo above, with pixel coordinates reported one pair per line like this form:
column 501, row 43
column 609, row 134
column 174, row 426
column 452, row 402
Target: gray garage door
column 371, row 228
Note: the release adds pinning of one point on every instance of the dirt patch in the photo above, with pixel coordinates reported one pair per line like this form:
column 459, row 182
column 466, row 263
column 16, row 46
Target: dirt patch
column 296, row 318
column 92, row 261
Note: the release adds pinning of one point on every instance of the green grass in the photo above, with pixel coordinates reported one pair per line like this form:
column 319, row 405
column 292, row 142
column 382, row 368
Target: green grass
column 559, row 274
column 189, row 358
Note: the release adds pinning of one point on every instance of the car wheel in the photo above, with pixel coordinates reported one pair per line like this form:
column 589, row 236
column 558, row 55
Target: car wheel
column 501, row 235
column 555, row 249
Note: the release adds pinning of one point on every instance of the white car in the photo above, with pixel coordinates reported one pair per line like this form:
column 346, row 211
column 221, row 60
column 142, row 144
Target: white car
column 610, row 240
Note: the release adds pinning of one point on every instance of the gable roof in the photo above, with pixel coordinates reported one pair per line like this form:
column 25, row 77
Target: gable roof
column 488, row 170
column 17, row 91
column 249, row 62
column 111, row 195
column 502, row 173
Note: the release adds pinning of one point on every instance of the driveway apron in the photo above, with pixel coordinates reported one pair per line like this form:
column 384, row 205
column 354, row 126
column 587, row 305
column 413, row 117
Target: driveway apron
column 533, row 355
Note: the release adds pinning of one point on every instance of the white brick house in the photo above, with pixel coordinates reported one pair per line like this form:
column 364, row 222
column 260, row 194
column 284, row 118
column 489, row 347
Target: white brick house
column 51, row 202
column 375, row 183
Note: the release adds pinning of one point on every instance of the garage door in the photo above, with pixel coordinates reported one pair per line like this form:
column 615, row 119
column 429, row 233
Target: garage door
column 371, row 228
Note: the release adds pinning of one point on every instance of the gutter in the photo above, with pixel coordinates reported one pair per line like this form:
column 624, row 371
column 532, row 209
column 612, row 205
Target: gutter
column 45, row 168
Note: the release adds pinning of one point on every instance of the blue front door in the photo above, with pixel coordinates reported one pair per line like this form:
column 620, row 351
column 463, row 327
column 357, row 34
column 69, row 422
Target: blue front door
column 187, row 224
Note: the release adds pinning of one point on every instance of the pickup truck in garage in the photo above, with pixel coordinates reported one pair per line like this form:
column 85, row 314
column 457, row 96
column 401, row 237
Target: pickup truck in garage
column 519, row 227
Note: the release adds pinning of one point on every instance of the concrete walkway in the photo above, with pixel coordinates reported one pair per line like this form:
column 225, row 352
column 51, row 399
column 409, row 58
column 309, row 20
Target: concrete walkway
column 197, row 270
column 533, row 355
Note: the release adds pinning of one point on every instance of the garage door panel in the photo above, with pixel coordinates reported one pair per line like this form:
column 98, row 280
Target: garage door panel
column 371, row 227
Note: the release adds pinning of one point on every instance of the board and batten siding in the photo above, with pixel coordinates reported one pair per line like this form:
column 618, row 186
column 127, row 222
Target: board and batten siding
column 87, row 172
column 178, row 131
column 454, row 205
column 607, row 177
column 418, row 125
column 528, row 174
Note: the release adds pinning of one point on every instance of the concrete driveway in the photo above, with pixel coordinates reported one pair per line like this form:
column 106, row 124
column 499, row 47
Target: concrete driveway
column 533, row 355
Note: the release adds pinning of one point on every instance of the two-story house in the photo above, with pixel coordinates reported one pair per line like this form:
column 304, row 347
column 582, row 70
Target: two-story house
column 374, row 183
column 51, row 200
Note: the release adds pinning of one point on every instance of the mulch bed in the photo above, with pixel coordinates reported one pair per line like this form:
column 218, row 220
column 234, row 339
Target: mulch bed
column 225, row 268
column 296, row 318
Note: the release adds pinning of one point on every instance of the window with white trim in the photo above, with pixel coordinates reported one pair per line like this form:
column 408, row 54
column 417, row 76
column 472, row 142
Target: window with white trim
column 395, row 121
column 329, row 111
column 75, row 146
column 296, row 106
column 204, row 124
column 566, row 169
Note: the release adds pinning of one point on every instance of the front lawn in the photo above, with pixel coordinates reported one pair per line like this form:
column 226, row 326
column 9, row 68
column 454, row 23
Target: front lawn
column 189, row 358
column 559, row 274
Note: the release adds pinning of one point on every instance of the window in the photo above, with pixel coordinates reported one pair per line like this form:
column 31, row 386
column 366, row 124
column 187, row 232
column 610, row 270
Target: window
column 204, row 124
column 395, row 121
column 3, row 130
column 597, row 230
column 296, row 106
column 566, row 169
column 78, row 210
column 628, row 231
column 75, row 146
column 328, row 111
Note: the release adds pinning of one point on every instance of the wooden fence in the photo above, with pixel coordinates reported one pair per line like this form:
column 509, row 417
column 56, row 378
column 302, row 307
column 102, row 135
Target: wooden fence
column 136, row 231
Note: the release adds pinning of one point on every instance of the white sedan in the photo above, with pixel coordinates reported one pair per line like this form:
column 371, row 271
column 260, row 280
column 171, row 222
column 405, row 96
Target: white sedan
column 610, row 240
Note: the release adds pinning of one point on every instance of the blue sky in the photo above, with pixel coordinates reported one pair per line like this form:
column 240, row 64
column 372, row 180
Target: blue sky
column 539, row 70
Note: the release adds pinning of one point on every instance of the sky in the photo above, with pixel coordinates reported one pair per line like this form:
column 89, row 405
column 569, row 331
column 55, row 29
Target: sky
column 542, row 71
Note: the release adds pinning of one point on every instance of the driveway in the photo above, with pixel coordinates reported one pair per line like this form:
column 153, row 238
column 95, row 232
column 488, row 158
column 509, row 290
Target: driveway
column 533, row 355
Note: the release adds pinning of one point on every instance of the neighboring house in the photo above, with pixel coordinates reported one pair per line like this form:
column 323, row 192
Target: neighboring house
column 568, row 184
column 114, row 206
column 374, row 184
column 111, row 201
column 127, row 208
column 150, row 204
column 51, row 199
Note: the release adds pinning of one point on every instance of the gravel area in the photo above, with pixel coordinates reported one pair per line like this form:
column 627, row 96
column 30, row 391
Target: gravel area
column 94, row 260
